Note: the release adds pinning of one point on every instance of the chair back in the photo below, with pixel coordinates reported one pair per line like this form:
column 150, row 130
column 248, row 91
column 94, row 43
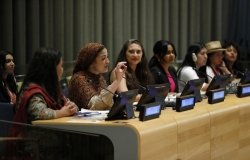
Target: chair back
column 6, row 114
column 6, row 111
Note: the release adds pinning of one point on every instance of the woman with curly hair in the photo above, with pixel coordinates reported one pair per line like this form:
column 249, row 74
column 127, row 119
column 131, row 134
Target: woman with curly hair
column 231, row 59
column 87, row 87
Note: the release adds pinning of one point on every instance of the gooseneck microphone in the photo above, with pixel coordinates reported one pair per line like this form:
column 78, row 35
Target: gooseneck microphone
column 142, row 87
column 241, row 73
column 115, row 95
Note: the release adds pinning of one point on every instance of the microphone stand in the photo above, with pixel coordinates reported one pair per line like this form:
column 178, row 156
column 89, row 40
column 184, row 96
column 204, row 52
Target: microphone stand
column 115, row 95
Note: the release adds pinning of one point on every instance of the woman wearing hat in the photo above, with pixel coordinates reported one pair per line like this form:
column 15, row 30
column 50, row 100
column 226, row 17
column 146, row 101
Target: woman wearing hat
column 87, row 87
column 215, row 64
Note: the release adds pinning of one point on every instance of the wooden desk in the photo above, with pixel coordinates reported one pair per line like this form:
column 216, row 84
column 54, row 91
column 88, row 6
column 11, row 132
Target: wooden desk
column 218, row 131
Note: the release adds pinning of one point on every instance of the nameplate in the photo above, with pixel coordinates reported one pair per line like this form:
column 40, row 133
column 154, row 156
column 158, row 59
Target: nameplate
column 150, row 111
column 216, row 95
column 184, row 103
column 243, row 90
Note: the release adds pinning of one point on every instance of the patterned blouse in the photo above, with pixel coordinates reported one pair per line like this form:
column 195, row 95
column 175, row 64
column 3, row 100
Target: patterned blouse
column 35, row 103
column 86, row 90
column 37, row 108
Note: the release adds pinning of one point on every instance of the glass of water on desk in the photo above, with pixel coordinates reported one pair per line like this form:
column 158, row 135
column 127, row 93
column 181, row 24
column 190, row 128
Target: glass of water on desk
column 231, row 88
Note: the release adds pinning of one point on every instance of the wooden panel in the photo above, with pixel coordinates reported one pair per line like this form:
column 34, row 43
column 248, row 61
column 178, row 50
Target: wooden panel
column 224, row 132
column 158, row 138
column 193, row 134
column 244, row 143
column 160, row 143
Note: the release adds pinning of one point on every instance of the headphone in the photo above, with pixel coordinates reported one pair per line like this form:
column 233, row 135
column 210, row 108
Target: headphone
column 194, row 57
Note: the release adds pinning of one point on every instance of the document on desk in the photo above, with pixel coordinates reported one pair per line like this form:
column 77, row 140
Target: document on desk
column 92, row 114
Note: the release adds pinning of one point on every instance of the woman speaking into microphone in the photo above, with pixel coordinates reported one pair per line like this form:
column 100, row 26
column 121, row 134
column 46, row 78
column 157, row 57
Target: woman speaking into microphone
column 88, row 87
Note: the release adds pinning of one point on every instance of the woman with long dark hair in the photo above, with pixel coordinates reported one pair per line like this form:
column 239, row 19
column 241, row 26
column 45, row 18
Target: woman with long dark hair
column 195, row 58
column 231, row 59
column 8, row 87
column 40, row 96
column 132, row 52
column 161, row 64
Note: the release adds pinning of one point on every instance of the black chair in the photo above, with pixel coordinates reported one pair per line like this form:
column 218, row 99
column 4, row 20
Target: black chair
column 6, row 114
column 6, row 111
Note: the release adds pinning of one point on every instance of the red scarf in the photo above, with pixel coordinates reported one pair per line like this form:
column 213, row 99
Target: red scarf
column 18, row 130
column 21, row 115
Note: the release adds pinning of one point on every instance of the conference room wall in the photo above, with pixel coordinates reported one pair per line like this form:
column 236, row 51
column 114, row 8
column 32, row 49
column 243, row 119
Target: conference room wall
column 68, row 24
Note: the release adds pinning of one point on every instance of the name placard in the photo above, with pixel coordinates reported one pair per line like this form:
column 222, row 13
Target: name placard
column 243, row 90
column 184, row 103
column 216, row 95
column 150, row 111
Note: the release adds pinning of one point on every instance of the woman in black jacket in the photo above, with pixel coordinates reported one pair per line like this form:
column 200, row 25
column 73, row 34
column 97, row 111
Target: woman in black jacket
column 160, row 64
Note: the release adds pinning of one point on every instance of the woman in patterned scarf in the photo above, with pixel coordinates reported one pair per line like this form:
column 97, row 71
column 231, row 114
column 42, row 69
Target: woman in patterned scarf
column 40, row 96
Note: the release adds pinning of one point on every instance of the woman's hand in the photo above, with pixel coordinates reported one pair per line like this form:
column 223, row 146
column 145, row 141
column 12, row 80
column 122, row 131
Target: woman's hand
column 120, row 70
column 223, row 68
column 70, row 108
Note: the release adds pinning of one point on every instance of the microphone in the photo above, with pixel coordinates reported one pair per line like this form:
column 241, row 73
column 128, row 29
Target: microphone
column 240, row 73
column 142, row 87
column 115, row 95
column 204, row 74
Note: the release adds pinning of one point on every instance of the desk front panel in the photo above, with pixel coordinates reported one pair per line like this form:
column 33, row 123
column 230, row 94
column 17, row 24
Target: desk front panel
column 217, row 131
column 244, row 133
column 193, row 134
column 224, row 132
column 158, row 138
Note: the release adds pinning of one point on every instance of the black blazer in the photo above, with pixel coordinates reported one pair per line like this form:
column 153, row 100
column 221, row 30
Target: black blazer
column 160, row 75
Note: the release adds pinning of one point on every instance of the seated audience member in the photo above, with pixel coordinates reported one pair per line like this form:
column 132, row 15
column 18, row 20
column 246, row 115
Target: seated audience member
column 195, row 58
column 215, row 64
column 231, row 59
column 88, row 87
column 8, row 86
column 137, row 73
column 40, row 96
column 160, row 64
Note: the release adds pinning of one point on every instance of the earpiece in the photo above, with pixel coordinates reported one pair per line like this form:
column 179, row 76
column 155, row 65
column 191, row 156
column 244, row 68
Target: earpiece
column 194, row 57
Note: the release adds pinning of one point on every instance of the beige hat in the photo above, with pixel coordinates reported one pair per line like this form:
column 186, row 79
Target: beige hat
column 214, row 46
